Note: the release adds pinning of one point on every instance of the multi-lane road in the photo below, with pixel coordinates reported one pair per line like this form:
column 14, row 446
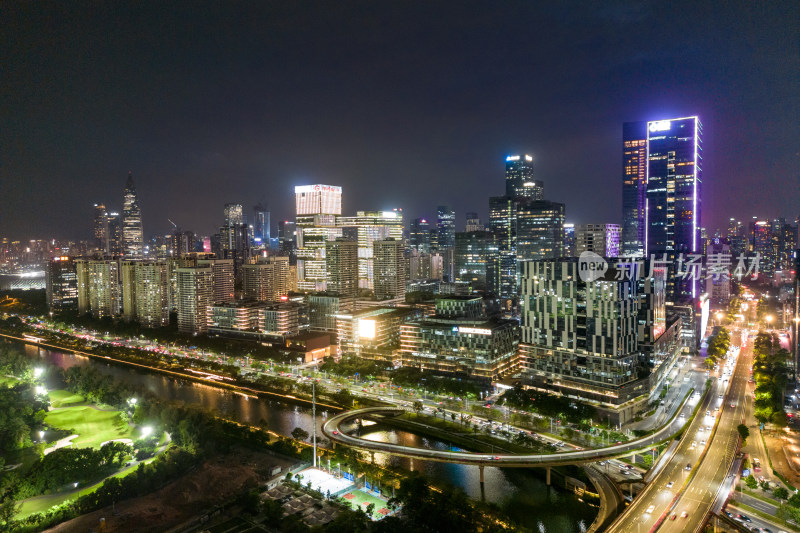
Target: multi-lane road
column 680, row 497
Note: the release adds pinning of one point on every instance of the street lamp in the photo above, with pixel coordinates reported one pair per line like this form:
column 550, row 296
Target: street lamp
column 37, row 372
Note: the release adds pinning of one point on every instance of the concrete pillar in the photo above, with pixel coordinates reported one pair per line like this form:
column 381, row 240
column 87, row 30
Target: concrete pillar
column 372, row 457
column 548, row 476
column 411, row 465
column 480, row 468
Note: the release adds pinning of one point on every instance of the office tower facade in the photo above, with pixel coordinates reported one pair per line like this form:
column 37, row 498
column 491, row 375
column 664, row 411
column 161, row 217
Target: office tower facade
column 234, row 214
column 473, row 223
column 317, row 207
column 224, row 280
column 100, row 229
column 540, row 230
column 674, row 194
column 261, row 227
column 114, row 243
column 390, row 269
column 602, row 239
column 519, row 178
column 366, row 228
column 419, row 235
column 99, row 291
column 195, row 294
column 132, row 234
column 61, row 284
column 474, row 253
column 267, row 280
column 341, row 260
column 287, row 240
column 445, row 227
column 607, row 339
column 570, row 247
column 634, row 187
column 718, row 284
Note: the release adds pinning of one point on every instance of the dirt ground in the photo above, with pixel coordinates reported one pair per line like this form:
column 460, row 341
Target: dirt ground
column 214, row 482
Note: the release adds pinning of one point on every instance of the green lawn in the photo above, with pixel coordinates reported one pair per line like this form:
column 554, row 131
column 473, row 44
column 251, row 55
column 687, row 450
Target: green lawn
column 64, row 398
column 360, row 498
column 92, row 426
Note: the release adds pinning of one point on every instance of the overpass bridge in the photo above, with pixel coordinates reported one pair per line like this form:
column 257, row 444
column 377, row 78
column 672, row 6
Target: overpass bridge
column 332, row 430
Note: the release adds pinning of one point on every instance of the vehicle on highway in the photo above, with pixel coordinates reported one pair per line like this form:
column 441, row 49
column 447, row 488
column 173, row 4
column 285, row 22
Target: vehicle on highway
column 743, row 518
column 650, row 509
column 684, row 514
column 688, row 466
column 670, row 484
column 672, row 516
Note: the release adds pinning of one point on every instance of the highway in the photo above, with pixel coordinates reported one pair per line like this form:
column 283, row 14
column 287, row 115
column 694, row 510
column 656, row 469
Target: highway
column 708, row 454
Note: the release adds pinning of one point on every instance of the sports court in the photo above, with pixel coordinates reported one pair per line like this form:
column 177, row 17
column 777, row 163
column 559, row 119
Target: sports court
column 324, row 482
column 359, row 499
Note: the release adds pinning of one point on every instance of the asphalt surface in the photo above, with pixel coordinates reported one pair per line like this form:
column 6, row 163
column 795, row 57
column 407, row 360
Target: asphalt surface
column 706, row 473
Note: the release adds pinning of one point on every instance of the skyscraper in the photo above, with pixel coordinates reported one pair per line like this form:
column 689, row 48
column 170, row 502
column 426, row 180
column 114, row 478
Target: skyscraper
column 602, row 239
column 317, row 207
column 62, row 284
column 419, row 235
column 366, row 228
column 195, row 293
column 100, row 229
column 445, row 227
column 341, row 262
column 540, row 230
column 132, row 235
column 634, row 187
column 673, row 202
column 519, row 178
column 473, row 223
column 475, row 251
column 261, row 226
column 266, row 280
column 390, row 269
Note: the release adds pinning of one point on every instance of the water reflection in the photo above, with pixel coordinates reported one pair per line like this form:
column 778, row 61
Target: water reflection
column 520, row 492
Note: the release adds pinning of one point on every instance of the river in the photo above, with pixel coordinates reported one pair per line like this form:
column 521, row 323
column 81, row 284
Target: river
column 519, row 492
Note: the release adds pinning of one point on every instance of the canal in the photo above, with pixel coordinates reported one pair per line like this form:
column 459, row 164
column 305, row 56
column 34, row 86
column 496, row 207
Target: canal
column 519, row 492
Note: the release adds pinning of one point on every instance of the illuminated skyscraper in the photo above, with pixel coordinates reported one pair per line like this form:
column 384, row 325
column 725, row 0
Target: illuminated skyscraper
column 540, row 230
column 132, row 236
column 445, row 227
column 62, row 284
column 634, row 187
column 341, row 258
column 100, row 232
column 317, row 207
column 261, row 226
column 419, row 235
column 390, row 269
column 519, row 178
column 602, row 239
column 473, row 223
column 366, row 228
column 673, row 203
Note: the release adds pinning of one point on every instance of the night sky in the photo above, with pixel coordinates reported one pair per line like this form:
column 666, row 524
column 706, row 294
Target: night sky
column 403, row 104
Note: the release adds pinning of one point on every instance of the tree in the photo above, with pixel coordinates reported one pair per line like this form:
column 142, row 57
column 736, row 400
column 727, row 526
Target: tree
column 794, row 500
column 417, row 407
column 744, row 432
column 765, row 485
column 781, row 493
column 751, row 482
column 299, row 434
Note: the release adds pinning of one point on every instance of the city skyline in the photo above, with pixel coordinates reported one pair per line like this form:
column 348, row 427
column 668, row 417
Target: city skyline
column 443, row 146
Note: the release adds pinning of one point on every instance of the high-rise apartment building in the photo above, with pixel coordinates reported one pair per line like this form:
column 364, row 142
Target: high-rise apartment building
column 390, row 269
column 61, row 286
column 519, row 178
column 634, row 187
column 195, row 296
column 341, row 261
column 145, row 293
column 132, row 235
column 267, row 280
column 114, row 236
column 287, row 239
column 317, row 207
column 99, row 291
column 602, row 239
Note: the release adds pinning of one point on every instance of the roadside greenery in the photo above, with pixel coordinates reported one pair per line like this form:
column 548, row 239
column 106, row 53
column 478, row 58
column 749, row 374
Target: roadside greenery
column 770, row 373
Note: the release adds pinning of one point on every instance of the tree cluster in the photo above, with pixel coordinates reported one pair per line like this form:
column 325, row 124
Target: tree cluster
column 547, row 404
column 770, row 373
